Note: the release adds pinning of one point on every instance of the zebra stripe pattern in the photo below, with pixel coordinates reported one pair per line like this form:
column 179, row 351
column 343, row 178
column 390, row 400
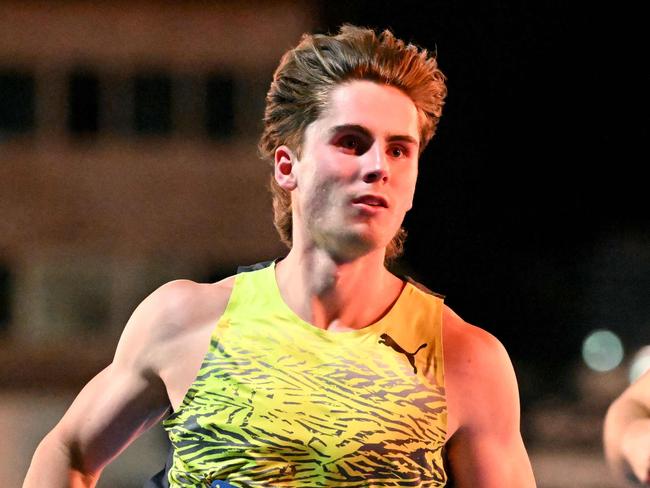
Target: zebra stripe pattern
column 278, row 402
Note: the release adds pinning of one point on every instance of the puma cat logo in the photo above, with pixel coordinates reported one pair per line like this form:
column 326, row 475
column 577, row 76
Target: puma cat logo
column 390, row 342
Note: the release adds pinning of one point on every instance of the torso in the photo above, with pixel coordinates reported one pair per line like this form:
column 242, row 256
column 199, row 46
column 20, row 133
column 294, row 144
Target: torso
column 192, row 345
column 212, row 300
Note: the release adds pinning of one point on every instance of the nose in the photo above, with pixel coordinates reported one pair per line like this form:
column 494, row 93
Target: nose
column 375, row 166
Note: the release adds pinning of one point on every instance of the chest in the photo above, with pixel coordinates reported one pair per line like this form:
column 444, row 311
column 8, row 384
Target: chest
column 335, row 398
column 288, row 404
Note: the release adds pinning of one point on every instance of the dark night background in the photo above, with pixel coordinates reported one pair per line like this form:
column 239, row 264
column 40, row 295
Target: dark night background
column 531, row 204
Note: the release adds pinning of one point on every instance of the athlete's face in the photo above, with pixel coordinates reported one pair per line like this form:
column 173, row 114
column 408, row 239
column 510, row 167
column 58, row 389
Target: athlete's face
column 356, row 176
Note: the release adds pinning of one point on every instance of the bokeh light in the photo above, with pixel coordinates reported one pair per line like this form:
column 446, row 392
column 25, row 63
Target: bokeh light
column 602, row 350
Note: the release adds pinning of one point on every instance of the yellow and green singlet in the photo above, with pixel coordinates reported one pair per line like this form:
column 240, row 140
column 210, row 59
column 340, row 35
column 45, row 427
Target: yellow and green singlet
column 279, row 402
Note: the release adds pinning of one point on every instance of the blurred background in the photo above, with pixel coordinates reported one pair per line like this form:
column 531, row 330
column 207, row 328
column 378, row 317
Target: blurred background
column 128, row 158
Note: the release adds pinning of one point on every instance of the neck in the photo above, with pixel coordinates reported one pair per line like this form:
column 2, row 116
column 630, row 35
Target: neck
column 333, row 295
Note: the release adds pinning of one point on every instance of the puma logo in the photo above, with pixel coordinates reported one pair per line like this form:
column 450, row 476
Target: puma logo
column 390, row 342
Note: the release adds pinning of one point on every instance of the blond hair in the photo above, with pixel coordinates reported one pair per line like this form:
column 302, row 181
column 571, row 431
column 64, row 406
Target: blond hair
column 308, row 73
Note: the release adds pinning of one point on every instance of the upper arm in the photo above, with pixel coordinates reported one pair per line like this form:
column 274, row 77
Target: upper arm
column 486, row 448
column 114, row 408
column 128, row 396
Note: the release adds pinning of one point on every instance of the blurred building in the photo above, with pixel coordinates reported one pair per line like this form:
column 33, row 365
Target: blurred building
column 128, row 152
column 128, row 158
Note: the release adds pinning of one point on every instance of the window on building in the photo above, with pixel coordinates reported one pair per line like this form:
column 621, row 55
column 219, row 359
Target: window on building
column 152, row 104
column 117, row 104
column 83, row 103
column 5, row 298
column 16, row 102
column 72, row 294
column 219, row 106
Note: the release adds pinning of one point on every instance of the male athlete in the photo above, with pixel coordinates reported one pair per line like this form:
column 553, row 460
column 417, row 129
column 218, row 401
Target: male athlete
column 323, row 368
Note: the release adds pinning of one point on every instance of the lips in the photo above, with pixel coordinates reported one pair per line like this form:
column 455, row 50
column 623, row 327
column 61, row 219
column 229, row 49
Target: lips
column 371, row 200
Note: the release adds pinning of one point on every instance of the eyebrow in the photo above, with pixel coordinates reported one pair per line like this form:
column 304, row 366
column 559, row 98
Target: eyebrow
column 364, row 131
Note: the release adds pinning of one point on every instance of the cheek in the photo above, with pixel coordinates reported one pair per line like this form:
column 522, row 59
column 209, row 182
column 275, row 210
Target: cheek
column 329, row 182
column 320, row 199
column 327, row 172
column 407, row 189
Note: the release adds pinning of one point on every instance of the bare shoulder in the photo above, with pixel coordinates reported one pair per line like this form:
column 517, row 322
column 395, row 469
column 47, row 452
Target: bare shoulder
column 181, row 304
column 468, row 346
column 174, row 310
column 478, row 372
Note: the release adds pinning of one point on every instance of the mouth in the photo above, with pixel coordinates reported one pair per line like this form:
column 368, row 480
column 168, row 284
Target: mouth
column 376, row 201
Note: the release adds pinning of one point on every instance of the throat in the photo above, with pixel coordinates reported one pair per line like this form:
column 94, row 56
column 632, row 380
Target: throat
column 338, row 297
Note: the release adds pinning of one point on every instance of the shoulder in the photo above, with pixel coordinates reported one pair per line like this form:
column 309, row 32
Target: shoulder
column 174, row 310
column 183, row 302
column 479, row 376
column 468, row 346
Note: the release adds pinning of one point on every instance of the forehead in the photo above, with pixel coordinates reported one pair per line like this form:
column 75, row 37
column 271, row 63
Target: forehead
column 383, row 109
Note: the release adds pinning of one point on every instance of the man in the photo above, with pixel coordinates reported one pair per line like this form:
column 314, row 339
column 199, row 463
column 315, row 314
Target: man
column 627, row 433
column 323, row 368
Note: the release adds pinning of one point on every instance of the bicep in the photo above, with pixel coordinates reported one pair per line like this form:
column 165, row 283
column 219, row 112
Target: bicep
column 490, row 460
column 486, row 450
column 123, row 400
column 114, row 408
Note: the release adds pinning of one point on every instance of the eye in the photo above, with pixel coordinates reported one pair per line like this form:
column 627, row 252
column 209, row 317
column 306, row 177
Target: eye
column 398, row 152
column 352, row 144
column 349, row 142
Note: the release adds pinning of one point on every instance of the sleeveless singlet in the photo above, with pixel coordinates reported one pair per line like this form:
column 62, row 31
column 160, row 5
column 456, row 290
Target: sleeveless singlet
column 279, row 402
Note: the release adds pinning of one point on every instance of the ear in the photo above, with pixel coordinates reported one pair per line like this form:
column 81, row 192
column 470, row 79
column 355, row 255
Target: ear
column 284, row 168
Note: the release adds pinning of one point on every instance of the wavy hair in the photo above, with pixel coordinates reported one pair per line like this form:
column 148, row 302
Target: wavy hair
column 308, row 73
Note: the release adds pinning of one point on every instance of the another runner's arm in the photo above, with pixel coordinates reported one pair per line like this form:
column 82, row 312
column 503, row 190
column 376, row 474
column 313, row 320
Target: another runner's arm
column 117, row 405
column 627, row 432
column 486, row 450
